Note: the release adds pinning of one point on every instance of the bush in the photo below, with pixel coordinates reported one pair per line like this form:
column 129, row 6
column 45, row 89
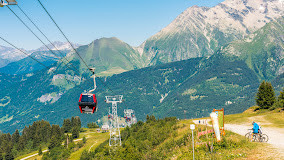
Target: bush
column 84, row 140
column 92, row 125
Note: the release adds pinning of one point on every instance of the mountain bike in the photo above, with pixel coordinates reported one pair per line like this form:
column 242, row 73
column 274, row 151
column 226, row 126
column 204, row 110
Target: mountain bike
column 248, row 135
column 257, row 137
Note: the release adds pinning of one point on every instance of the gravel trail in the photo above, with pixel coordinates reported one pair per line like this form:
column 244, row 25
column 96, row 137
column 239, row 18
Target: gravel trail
column 276, row 135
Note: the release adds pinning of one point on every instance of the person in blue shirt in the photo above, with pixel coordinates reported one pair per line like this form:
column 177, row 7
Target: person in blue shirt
column 256, row 129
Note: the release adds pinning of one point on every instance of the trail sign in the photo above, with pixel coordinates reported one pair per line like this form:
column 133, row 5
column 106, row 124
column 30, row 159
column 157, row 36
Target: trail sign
column 220, row 114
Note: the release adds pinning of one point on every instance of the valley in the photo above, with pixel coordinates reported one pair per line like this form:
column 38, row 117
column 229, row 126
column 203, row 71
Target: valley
column 230, row 55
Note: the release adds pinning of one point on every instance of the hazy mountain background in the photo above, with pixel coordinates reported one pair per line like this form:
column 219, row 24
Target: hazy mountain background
column 206, row 58
column 9, row 55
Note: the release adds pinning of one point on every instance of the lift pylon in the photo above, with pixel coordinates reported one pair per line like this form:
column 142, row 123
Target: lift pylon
column 115, row 138
column 8, row 2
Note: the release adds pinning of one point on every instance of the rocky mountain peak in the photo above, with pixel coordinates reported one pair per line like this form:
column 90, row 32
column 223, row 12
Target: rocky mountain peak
column 58, row 45
column 200, row 31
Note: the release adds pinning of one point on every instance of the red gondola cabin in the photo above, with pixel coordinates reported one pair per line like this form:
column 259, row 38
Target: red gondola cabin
column 88, row 103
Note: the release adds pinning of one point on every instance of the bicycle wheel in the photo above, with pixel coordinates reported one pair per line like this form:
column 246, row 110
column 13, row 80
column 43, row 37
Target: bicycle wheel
column 248, row 136
column 255, row 138
column 264, row 138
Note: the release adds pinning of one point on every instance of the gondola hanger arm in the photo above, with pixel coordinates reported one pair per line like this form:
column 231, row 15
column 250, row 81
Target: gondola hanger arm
column 94, row 77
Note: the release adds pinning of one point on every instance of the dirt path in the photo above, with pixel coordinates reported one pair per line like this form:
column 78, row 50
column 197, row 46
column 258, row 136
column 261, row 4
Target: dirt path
column 276, row 135
column 92, row 146
column 80, row 139
column 33, row 155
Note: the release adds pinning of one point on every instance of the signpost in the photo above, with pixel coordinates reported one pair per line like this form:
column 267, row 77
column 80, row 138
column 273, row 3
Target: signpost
column 192, row 127
column 220, row 115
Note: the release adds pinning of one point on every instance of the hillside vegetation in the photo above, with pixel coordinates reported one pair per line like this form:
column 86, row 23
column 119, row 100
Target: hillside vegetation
column 265, row 117
column 171, row 139
column 168, row 138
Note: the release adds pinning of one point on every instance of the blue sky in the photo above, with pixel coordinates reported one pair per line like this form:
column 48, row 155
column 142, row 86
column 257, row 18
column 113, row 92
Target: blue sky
column 132, row 21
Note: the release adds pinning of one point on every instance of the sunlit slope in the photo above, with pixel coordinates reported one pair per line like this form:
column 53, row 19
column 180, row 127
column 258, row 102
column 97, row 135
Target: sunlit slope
column 109, row 54
column 263, row 51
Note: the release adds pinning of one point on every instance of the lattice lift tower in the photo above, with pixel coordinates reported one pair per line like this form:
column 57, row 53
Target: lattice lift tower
column 114, row 132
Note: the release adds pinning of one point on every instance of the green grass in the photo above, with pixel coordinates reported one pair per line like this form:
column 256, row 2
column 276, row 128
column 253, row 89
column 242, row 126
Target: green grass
column 267, row 118
column 276, row 118
column 232, row 146
column 112, row 71
column 93, row 140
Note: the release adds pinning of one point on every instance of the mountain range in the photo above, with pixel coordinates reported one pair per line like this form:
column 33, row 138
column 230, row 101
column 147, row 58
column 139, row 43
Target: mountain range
column 9, row 55
column 201, row 31
column 206, row 58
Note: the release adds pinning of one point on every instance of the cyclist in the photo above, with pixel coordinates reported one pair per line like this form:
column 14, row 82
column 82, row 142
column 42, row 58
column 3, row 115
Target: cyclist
column 256, row 129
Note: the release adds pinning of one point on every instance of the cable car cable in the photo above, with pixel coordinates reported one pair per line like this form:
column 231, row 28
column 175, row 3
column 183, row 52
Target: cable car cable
column 35, row 59
column 62, row 33
column 69, row 41
column 38, row 38
column 43, row 42
column 68, row 62
column 24, row 53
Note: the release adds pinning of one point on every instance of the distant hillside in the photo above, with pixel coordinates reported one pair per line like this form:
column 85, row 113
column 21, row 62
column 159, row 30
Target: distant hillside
column 109, row 56
column 28, row 65
column 4, row 62
column 193, row 85
column 63, row 46
column 11, row 54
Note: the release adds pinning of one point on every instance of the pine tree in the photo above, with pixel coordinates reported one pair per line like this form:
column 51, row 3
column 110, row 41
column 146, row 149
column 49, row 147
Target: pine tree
column 147, row 117
column 56, row 131
column 36, row 141
column 75, row 132
column 54, row 142
column 67, row 126
column 22, row 142
column 9, row 155
column 72, row 122
column 281, row 98
column 265, row 96
column 78, row 122
column 15, row 137
column 270, row 96
column 40, row 150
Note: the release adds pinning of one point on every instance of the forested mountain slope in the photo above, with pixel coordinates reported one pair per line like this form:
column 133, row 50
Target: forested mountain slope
column 263, row 51
column 198, row 84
